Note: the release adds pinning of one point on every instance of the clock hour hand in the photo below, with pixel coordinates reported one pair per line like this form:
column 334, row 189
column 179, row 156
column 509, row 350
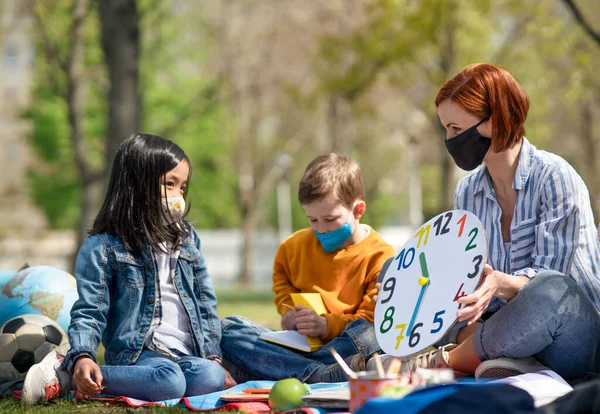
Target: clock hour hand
column 424, row 282
column 424, row 279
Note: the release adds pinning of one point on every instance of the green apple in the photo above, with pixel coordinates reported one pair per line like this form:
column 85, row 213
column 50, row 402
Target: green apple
column 287, row 394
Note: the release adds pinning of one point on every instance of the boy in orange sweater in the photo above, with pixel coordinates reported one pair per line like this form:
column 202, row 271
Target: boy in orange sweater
column 338, row 257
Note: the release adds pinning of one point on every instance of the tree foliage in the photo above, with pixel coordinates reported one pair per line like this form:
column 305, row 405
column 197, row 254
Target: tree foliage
column 238, row 83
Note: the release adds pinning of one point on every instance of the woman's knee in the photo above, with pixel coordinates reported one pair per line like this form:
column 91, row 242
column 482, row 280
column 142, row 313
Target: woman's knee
column 551, row 288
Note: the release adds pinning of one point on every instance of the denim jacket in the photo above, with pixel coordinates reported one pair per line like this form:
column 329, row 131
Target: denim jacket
column 117, row 300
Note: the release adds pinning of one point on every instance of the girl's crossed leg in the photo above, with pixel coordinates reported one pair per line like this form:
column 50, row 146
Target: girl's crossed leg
column 154, row 377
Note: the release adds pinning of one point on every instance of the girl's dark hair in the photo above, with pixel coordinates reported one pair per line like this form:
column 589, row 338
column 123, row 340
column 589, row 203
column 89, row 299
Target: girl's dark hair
column 132, row 209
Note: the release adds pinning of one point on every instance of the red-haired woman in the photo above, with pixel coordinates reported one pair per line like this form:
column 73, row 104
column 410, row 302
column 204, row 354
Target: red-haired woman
column 540, row 294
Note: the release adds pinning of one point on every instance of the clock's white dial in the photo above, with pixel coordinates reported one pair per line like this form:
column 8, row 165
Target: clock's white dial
column 442, row 262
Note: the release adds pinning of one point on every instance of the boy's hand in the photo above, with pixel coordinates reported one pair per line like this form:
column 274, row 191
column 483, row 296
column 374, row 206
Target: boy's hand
column 85, row 369
column 288, row 321
column 309, row 323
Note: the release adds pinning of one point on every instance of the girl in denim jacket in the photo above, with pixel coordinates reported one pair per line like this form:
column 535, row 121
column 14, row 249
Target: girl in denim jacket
column 143, row 289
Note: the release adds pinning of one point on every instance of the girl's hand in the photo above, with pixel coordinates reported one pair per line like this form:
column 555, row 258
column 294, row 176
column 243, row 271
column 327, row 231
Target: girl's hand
column 229, row 381
column 85, row 369
column 477, row 302
column 288, row 321
column 309, row 323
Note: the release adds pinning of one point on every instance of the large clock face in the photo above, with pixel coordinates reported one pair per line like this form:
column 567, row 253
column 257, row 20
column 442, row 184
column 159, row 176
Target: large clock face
column 417, row 303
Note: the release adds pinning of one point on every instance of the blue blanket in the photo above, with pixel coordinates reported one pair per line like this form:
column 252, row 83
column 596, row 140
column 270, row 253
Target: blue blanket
column 208, row 401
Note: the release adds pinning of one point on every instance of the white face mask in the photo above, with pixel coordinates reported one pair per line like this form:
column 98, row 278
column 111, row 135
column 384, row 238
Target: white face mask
column 175, row 206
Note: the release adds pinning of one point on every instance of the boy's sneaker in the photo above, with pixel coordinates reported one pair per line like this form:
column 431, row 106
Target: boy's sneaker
column 45, row 381
column 508, row 367
column 335, row 373
column 437, row 358
column 386, row 360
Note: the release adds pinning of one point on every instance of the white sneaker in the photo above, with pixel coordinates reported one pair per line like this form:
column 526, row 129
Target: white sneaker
column 45, row 381
column 508, row 367
column 437, row 358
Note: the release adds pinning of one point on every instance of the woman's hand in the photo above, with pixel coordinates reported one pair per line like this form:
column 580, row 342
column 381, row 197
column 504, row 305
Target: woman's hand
column 288, row 321
column 377, row 289
column 495, row 283
column 309, row 323
column 477, row 302
column 85, row 369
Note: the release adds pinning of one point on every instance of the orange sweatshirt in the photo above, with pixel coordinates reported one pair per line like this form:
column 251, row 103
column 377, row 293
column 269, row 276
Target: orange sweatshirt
column 345, row 278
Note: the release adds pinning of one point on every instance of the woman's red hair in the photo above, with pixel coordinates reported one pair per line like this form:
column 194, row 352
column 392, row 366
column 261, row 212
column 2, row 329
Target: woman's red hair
column 489, row 91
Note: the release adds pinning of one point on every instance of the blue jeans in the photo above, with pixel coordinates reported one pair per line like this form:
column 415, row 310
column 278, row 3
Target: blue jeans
column 155, row 377
column 552, row 319
column 240, row 344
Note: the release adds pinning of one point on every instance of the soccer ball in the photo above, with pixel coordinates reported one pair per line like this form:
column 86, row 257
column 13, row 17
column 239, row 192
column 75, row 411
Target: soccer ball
column 26, row 340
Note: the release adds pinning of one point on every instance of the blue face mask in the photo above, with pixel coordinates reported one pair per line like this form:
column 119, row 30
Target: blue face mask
column 334, row 239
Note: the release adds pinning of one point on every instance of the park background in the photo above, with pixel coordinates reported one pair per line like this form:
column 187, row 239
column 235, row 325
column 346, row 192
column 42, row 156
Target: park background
column 253, row 90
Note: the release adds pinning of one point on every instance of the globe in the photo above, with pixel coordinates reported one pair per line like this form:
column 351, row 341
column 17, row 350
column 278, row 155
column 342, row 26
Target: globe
column 42, row 290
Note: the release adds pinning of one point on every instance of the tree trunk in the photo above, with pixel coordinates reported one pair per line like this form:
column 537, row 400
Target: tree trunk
column 247, row 197
column 448, row 58
column 119, row 21
column 248, row 228
column 415, row 187
column 446, row 170
column 581, row 20
column 76, row 109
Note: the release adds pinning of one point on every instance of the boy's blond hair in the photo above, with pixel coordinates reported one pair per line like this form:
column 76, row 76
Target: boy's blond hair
column 334, row 175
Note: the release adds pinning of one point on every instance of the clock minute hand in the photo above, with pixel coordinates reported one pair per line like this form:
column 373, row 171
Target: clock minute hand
column 424, row 282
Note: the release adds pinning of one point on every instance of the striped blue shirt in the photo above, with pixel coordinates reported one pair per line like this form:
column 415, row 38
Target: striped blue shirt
column 552, row 228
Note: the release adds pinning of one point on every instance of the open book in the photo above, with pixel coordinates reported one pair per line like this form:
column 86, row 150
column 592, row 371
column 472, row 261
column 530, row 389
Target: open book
column 292, row 339
column 338, row 397
column 544, row 386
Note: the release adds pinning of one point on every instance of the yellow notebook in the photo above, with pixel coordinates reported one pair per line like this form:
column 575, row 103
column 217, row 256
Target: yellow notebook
column 313, row 301
column 292, row 339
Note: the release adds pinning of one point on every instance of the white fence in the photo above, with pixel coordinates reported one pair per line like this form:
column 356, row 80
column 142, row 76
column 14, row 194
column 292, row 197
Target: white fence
column 221, row 248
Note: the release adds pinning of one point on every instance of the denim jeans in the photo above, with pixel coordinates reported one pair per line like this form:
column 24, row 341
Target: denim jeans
column 154, row 377
column 552, row 319
column 240, row 344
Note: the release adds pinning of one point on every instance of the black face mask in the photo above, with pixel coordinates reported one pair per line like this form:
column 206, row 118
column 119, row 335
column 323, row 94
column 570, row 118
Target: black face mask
column 469, row 148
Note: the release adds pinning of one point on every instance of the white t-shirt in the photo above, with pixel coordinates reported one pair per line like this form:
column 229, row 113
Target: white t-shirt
column 174, row 329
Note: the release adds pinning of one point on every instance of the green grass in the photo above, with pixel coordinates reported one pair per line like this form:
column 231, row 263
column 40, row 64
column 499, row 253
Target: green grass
column 12, row 405
column 255, row 305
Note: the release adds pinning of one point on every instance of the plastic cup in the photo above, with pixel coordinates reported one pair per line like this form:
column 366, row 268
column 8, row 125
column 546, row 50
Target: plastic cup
column 369, row 385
